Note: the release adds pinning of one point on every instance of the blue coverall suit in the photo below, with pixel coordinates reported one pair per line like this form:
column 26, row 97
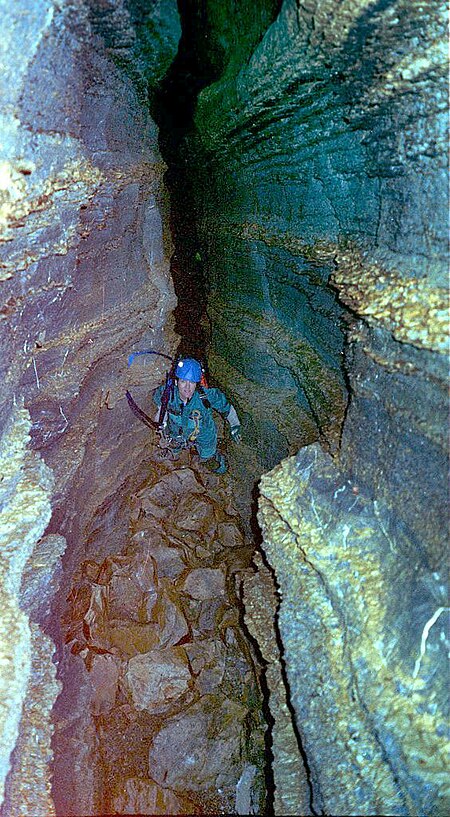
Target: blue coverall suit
column 193, row 421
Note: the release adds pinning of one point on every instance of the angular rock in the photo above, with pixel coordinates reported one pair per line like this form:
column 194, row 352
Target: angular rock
column 124, row 599
column 207, row 658
column 153, row 509
column 168, row 490
column 205, row 583
column 169, row 563
column 158, row 679
column 209, row 615
column 151, row 600
column 194, row 514
column 104, row 678
column 143, row 569
column 245, row 802
column 95, row 628
column 148, row 532
column 145, row 797
column 229, row 535
column 184, row 481
column 171, row 623
column 201, row 748
column 132, row 639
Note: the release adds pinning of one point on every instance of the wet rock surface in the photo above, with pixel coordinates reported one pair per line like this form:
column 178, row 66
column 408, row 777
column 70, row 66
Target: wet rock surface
column 315, row 153
column 172, row 702
column 374, row 702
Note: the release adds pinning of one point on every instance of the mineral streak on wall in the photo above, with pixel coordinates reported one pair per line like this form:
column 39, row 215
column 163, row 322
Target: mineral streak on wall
column 84, row 280
column 25, row 492
column 371, row 707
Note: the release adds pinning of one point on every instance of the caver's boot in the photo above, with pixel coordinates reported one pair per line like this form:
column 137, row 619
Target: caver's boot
column 171, row 446
column 216, row 464
column 177, row 448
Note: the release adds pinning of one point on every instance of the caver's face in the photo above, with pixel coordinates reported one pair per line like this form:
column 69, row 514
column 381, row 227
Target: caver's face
column 186, row 389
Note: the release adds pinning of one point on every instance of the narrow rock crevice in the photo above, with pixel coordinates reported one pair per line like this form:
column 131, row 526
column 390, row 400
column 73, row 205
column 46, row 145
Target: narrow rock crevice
column 261, row 185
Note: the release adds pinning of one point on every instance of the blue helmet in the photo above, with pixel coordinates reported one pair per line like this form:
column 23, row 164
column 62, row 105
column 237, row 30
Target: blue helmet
column 189, row 369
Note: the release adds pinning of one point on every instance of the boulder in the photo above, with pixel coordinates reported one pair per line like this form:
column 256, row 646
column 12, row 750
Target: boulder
column 124, row 598
column 169, row 563
column 104, row 678
column 166, row 492
column 205, row 583
column 195, row 514
column 158, row 679
column 145, row 797
column 200, row 748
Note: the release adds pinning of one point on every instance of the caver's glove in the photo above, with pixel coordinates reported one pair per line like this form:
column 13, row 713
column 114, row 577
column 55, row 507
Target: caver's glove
column 236, row 434
column 216, row 464
column 235, row 425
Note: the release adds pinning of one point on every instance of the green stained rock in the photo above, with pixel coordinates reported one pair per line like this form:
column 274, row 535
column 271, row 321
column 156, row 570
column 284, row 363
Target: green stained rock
column 357, row 596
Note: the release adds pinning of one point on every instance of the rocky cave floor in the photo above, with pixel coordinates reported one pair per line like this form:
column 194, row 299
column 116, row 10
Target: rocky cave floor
column 174, row 702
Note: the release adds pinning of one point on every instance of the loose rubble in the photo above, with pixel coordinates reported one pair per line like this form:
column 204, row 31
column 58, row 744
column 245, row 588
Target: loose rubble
column 174, row 693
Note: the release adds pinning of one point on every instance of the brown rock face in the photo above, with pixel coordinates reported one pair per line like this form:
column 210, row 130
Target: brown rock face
column 153, row 637
column 84, row 277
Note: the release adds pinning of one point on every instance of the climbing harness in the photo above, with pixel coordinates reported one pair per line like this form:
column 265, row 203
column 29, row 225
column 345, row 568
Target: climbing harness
column 173, row 446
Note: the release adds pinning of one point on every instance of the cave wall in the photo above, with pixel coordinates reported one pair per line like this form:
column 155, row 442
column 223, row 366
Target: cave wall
column 317, row 214
column 85, row 280
column 310, row 173
column 319, row 155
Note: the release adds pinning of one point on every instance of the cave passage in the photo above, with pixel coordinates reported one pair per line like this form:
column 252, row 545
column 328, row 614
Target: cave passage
column 261, row 185
column 180, row 721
